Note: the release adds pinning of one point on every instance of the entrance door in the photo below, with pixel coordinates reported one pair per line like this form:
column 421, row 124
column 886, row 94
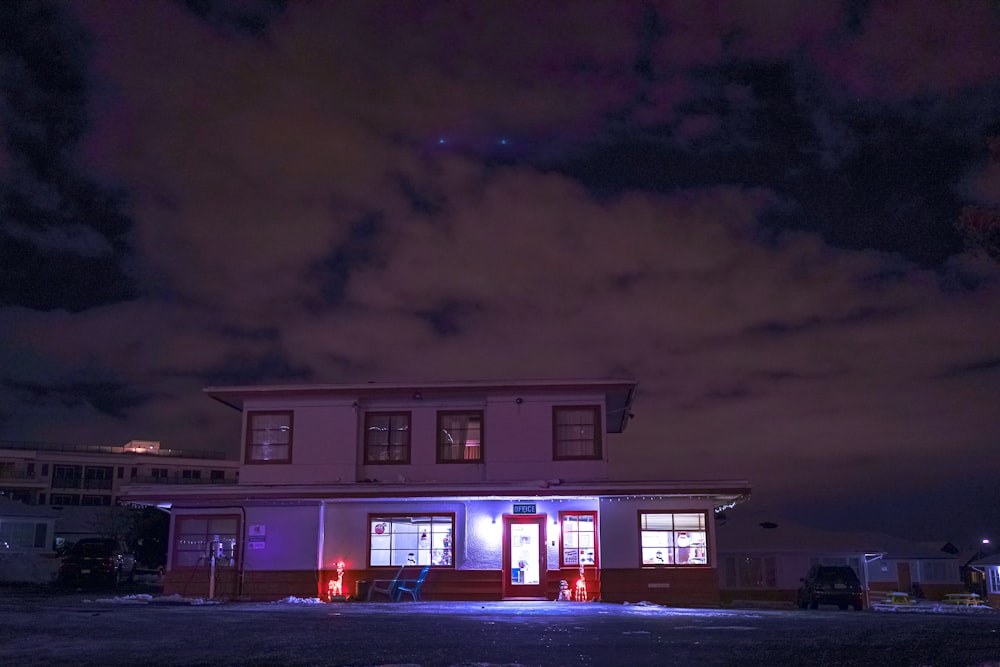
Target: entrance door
column 524, row 556
column 903, row 577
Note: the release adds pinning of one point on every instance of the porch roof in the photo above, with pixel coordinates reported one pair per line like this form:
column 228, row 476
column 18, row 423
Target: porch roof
column 618, row 393
column 721, row 493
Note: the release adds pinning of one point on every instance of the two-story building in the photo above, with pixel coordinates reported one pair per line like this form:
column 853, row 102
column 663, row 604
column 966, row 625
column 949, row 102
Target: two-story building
column 503, row 488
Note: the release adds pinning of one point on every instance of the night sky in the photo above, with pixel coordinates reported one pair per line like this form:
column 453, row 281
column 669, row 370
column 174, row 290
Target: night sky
column 781, row 217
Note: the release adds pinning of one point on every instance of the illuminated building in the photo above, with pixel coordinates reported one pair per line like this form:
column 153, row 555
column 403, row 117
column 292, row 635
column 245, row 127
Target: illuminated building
column 503, row 488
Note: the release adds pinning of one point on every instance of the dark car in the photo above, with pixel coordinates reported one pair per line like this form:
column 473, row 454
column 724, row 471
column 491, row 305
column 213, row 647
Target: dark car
column 831, row 584
column 97, row 561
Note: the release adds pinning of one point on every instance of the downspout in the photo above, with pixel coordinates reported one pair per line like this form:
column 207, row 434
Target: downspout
column 321, row 542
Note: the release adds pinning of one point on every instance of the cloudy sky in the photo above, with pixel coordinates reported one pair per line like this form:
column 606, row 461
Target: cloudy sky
column 775, row 215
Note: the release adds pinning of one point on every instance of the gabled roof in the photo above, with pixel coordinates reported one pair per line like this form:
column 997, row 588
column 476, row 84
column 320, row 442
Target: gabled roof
column 618, row 393
column 992, row 559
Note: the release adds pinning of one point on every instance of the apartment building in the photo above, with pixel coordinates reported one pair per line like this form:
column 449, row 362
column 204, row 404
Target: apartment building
column 70, row 479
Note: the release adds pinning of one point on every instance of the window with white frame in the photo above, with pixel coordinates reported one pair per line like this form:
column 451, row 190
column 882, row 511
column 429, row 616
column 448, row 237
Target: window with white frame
column 576, row 432
column 676, row 539
column 938, row 570
column 578, row 534
column 269, row 437
column 994, row 579
column 460, row 437
column 387, row 437
column 396, row 540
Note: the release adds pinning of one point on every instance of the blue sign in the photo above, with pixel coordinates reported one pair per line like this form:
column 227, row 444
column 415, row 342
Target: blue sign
column 525, row 508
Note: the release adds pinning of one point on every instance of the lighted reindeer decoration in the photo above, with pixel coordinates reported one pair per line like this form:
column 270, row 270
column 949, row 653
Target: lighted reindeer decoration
column 335, row 589
column 580, row 594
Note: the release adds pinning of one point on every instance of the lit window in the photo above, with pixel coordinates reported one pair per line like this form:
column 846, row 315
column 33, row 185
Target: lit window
column 579, row 538
column 460, row 437
column 387, row 437
column 576, row 432
column 673, row 538
column 269, row 437
column 395, row 541
column 193, row 537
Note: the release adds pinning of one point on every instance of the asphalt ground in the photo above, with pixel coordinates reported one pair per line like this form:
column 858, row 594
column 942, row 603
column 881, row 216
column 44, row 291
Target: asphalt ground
column 85, row 628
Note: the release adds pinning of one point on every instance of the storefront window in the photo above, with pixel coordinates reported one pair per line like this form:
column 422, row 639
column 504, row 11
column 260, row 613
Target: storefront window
column 194, row 537
column 396, row 540
column 579, row 538
column 673, row 538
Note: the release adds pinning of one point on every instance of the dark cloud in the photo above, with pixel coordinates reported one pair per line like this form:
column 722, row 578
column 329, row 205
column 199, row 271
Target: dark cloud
column 359, row 249
column 247, row 17
column 269, row 366
column 114, row 399
column 64, row 235
column 752, row 210
column 448, row 317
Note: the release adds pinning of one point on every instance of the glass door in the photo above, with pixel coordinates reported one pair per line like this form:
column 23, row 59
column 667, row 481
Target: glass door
column 524, row 556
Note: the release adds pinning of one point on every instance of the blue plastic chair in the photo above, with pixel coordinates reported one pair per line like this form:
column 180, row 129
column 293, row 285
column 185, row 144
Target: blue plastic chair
column 412, row 586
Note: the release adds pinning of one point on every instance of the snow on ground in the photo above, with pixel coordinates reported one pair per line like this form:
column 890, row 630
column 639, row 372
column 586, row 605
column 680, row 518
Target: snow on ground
column 643, row 607
column 930, row 607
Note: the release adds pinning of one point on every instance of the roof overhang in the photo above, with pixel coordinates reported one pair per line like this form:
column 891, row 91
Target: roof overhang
column 721, row 494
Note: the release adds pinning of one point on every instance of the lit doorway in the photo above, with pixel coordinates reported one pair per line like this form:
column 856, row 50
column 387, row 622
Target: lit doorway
column 524, row 556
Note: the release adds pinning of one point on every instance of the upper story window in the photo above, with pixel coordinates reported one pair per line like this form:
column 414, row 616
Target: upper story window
column 460, row 437
column 387, row 437
column 269, row 437
column 673, row 538
column 576, row 432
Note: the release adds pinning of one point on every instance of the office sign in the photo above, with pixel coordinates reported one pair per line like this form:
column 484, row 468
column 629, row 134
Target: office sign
column 525, row 508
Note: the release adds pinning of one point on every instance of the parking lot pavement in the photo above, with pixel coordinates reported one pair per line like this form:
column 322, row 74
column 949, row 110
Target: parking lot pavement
column 94, row 628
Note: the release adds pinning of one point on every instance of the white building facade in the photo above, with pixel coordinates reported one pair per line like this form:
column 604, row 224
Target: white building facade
column 501, row 488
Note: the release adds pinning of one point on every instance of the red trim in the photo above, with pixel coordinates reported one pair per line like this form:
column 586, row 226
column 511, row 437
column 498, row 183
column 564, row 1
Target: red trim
column 248, row 444
column 562, row 532
column 675, row 565
column 391, row 515
column 525, row 591
column 482, row 435
column 598, row 440
column 409, row 439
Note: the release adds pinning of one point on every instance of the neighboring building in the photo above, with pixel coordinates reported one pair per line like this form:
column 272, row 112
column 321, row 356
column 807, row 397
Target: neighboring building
column 502, row 488
column 26, row 534
column 989, row 568
column 763, row 560
column 81, row 481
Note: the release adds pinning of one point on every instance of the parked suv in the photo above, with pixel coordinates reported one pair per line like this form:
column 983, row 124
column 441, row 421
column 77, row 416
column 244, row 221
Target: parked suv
column 99, row 561
column 831, row 584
